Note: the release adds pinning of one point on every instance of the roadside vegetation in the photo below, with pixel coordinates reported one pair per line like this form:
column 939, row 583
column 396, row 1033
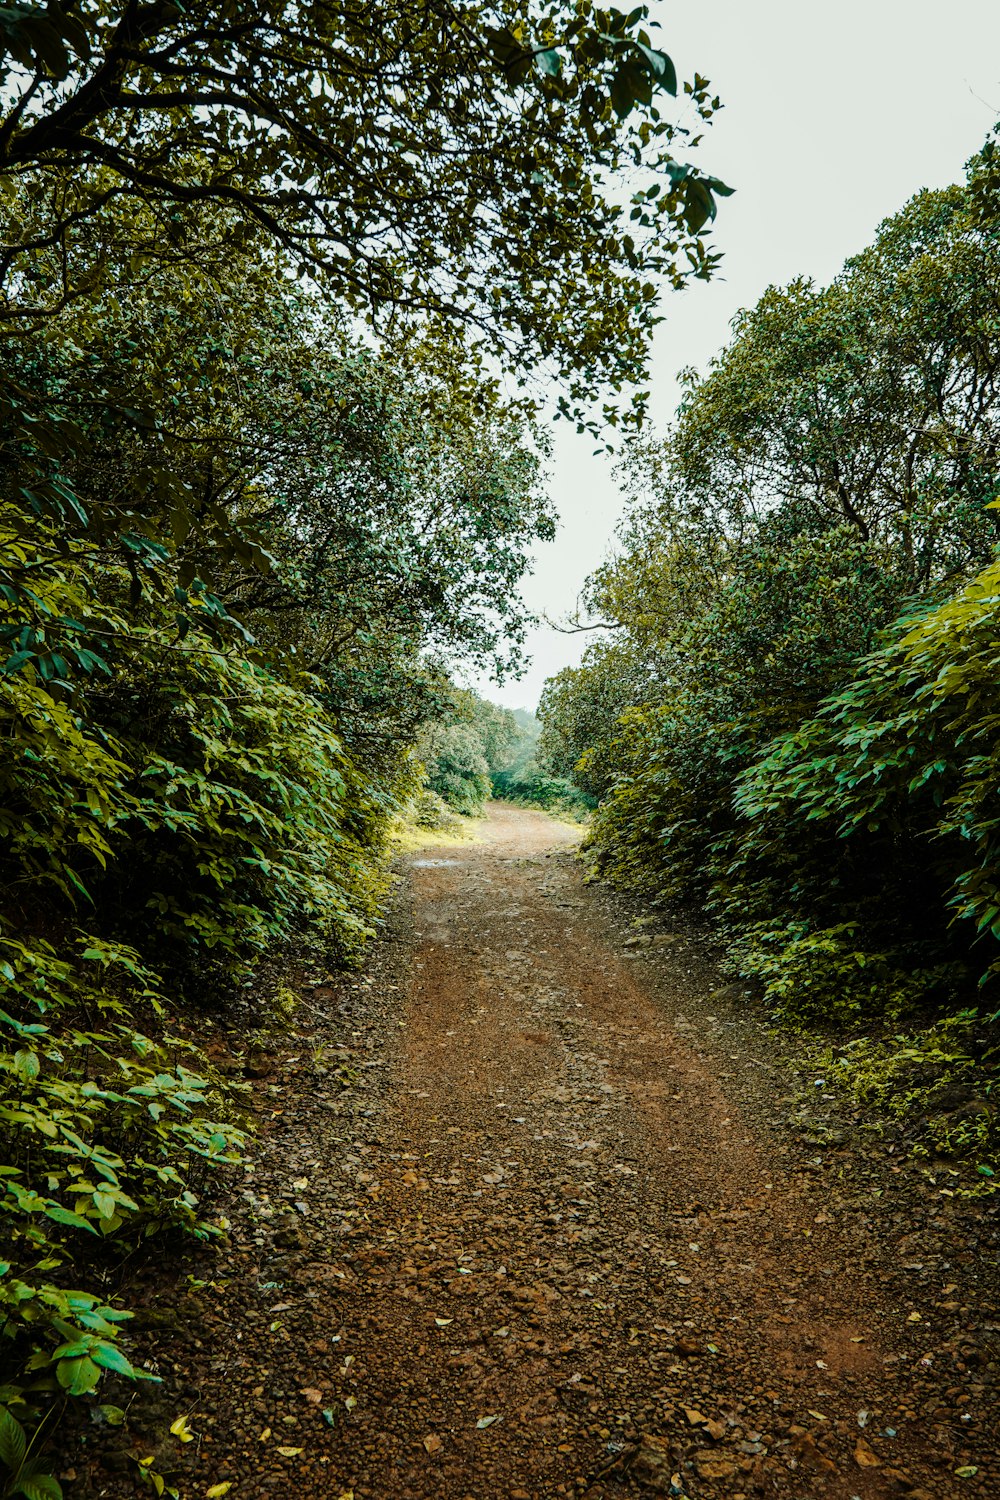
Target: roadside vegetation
column 789, row 718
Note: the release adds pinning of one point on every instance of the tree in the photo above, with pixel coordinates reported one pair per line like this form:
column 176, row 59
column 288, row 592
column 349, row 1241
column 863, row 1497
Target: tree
column 456, row 766
column 839, row 456
column 871, row 403
column 507, row 168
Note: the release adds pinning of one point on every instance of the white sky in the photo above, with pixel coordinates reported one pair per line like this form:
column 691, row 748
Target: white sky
column 834, row 116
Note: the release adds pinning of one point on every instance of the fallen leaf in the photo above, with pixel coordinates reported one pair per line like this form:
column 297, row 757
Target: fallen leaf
column 264, row 1435
column 817, row 1414
column 300, row 1183
column 864, row 1456
column 858, row 1340
column 432, row 1443
column 180, row 1430
column 443, row 1322
column 351, row 1402
column 821, row 1364
column 487, row 1421
column 914, row 1318
column 289, row 1452
column 329, row 1416
column 219, row 1489
column 311, row 1394
column 967, row 1471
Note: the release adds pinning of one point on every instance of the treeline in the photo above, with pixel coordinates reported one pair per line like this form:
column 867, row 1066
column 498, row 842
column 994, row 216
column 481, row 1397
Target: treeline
column 475, row 750
column 525, row 779
column 267, row 284
column 791, row 718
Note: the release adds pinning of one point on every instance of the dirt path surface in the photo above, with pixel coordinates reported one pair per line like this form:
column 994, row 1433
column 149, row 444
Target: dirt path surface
column 522, row 1226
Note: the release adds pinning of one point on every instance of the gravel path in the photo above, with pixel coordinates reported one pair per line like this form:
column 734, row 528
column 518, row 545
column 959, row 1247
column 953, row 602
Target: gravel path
column 526, row 1220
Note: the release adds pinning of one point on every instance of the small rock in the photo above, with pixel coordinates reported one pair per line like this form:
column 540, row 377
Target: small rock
column 711, row 1466
column 688, row 1347
column 865, row 1457
column 653, row 1464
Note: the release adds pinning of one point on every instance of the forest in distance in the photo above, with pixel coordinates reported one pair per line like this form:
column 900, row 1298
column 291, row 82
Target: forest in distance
column 282, row 294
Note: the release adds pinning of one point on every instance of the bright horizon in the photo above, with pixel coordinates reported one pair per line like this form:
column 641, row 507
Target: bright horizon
column 827, row 130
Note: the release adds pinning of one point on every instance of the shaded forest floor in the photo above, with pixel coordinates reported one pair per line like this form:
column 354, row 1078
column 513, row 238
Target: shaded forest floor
column 536, row 1210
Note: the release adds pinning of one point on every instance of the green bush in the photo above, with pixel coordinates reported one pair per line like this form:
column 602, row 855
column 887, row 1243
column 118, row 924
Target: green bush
column 177, row 809
column 884, row 810
column 529, row 786
column 938, row 1081
column 110, row 1125
column 825, row 977
column 456, row 767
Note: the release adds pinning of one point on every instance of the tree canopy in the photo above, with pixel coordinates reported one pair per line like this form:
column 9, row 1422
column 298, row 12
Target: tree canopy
column 508, row 168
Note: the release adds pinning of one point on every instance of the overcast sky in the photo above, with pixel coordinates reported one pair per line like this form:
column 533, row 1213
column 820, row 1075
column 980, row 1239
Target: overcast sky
column 834, row 116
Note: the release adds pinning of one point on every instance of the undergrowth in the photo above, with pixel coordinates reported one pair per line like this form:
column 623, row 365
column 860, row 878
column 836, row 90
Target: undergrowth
column 176, row 816
column 938, row 1084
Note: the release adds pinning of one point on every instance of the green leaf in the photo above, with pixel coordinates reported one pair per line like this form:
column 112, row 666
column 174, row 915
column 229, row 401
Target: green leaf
column 61, row 1215
column 13, row 1443
column 27, row 1066
column 622, row 91
column 112, row 1358
column 78, row 1376
column 661, row 67
column 40, row 1487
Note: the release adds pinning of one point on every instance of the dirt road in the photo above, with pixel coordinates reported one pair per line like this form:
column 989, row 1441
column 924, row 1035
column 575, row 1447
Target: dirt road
column 520, row 1228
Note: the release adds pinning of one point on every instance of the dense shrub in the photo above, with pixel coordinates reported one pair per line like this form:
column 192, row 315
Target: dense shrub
column 791, row 715
column 887, row 804
column 529, row 786
column 170, row 818
column 456, row 767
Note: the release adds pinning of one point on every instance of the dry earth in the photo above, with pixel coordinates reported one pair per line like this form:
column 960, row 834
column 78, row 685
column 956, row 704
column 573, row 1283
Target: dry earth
column 526, row 1219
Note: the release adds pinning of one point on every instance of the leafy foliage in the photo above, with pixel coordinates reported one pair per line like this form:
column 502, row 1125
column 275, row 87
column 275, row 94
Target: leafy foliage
column 790, row 710
column 423, row 162
column 456, row 766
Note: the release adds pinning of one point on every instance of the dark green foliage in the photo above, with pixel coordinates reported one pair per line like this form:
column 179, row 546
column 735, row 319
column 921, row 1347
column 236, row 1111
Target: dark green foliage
column 456, row 766
column 529, row 786
column 792, row 716
column 879, row 818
